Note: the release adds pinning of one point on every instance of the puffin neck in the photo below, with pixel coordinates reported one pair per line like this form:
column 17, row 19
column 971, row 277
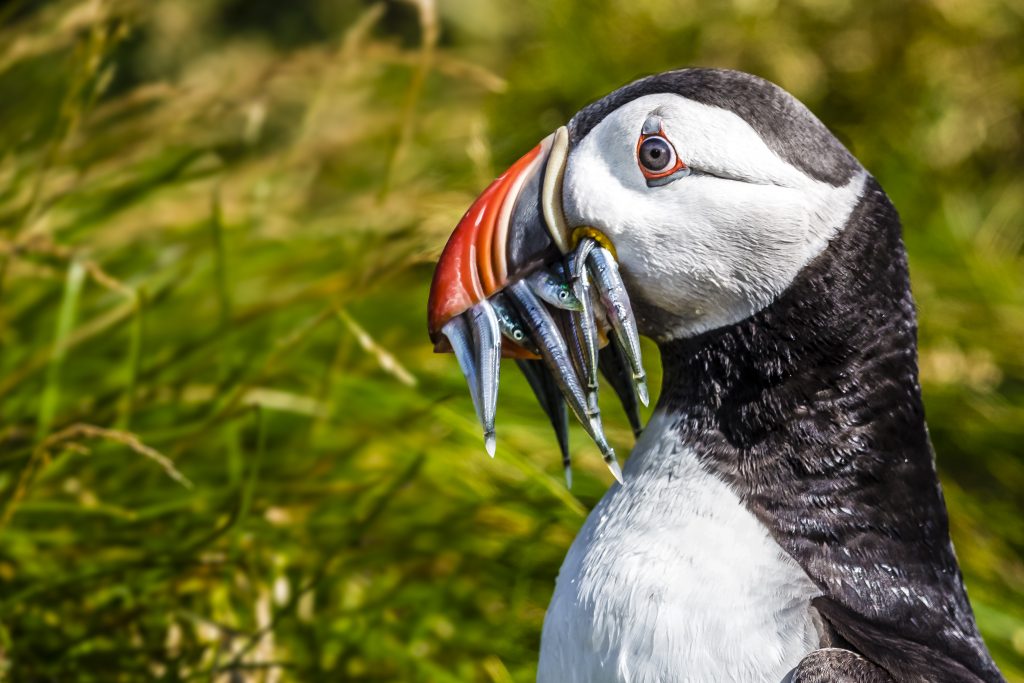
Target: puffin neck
column 811, row 411
column 825, row 375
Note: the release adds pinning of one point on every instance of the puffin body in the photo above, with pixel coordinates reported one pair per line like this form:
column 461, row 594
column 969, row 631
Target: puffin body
column 780, row 518
column 671, row 578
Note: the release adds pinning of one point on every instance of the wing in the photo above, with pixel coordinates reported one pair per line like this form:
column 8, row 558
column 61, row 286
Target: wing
column 892, row 587
column 875, row 539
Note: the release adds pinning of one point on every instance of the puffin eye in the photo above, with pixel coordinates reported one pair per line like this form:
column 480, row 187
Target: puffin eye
column 656, row 154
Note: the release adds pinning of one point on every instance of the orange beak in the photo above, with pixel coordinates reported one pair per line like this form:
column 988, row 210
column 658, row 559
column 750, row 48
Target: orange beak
column 503, row 237
column 514, row 228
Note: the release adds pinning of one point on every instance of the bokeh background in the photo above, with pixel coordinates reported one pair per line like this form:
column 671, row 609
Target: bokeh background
column 227, row 452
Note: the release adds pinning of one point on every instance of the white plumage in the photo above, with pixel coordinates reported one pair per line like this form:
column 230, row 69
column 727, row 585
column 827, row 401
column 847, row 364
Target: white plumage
column 707, row 251
column 672, row 580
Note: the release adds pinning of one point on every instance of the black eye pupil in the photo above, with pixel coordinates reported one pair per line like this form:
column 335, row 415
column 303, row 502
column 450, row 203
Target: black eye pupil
column 655, row 154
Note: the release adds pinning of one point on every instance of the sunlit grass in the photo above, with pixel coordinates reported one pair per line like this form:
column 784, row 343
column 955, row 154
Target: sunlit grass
column 225, row 444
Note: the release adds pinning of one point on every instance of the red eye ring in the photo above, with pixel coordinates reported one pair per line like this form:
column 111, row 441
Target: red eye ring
column 674, row 165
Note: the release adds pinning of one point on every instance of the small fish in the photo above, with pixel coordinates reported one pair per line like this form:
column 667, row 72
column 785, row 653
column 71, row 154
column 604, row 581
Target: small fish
column 615, row 369
column 561, row 314
column 512, row 326
column 461, row 339
column 486, row 335
column 550, row 398
column 553, row 289
column 555, row 355
column 604, row 272
column 586, row 327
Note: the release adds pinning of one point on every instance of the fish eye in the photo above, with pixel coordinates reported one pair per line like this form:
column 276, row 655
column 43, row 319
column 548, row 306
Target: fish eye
column 656, row 154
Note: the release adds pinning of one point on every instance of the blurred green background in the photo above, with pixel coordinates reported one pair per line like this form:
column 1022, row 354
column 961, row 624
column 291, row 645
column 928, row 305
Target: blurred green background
column 227, row 452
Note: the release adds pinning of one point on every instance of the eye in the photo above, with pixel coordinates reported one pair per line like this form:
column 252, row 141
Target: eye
column 656, row 156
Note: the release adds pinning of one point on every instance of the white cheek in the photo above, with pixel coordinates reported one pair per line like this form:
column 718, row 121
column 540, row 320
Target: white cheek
column 717, row 252
column 706, row 251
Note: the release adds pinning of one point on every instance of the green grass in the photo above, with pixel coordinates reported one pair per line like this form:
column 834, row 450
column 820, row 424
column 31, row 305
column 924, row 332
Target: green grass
column 226, row 448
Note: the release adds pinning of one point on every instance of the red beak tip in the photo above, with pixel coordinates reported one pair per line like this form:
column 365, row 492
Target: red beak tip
column 473, row 264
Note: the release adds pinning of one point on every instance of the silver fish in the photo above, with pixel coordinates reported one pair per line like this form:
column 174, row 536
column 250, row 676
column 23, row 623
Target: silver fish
column 585, row 327
column 555, row 355
column 553, row 289
column 512, row 326
column 615, row 368
column 459, row 336
column 550, row 399
column 605, row 274
column 487, row 342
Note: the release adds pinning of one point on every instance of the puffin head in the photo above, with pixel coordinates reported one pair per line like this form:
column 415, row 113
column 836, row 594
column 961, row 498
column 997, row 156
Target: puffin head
column 715, row 187
column 709, row 189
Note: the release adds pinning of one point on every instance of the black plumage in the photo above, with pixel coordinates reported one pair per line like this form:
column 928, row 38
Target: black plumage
column 811, row 409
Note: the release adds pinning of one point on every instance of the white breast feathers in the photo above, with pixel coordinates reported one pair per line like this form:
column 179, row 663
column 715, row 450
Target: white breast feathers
column 672, row 580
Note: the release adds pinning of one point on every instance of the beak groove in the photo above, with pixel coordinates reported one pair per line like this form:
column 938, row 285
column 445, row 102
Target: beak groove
column 475, row 262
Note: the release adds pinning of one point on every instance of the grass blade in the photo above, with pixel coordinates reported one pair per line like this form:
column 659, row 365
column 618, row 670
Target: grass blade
column 49, row 402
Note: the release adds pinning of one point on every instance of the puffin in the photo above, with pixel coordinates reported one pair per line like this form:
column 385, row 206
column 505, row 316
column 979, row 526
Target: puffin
column 779, row 518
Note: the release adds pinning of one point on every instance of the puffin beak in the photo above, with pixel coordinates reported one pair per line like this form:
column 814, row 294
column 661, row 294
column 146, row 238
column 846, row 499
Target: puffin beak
column 502, row 237
column 515, row 281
